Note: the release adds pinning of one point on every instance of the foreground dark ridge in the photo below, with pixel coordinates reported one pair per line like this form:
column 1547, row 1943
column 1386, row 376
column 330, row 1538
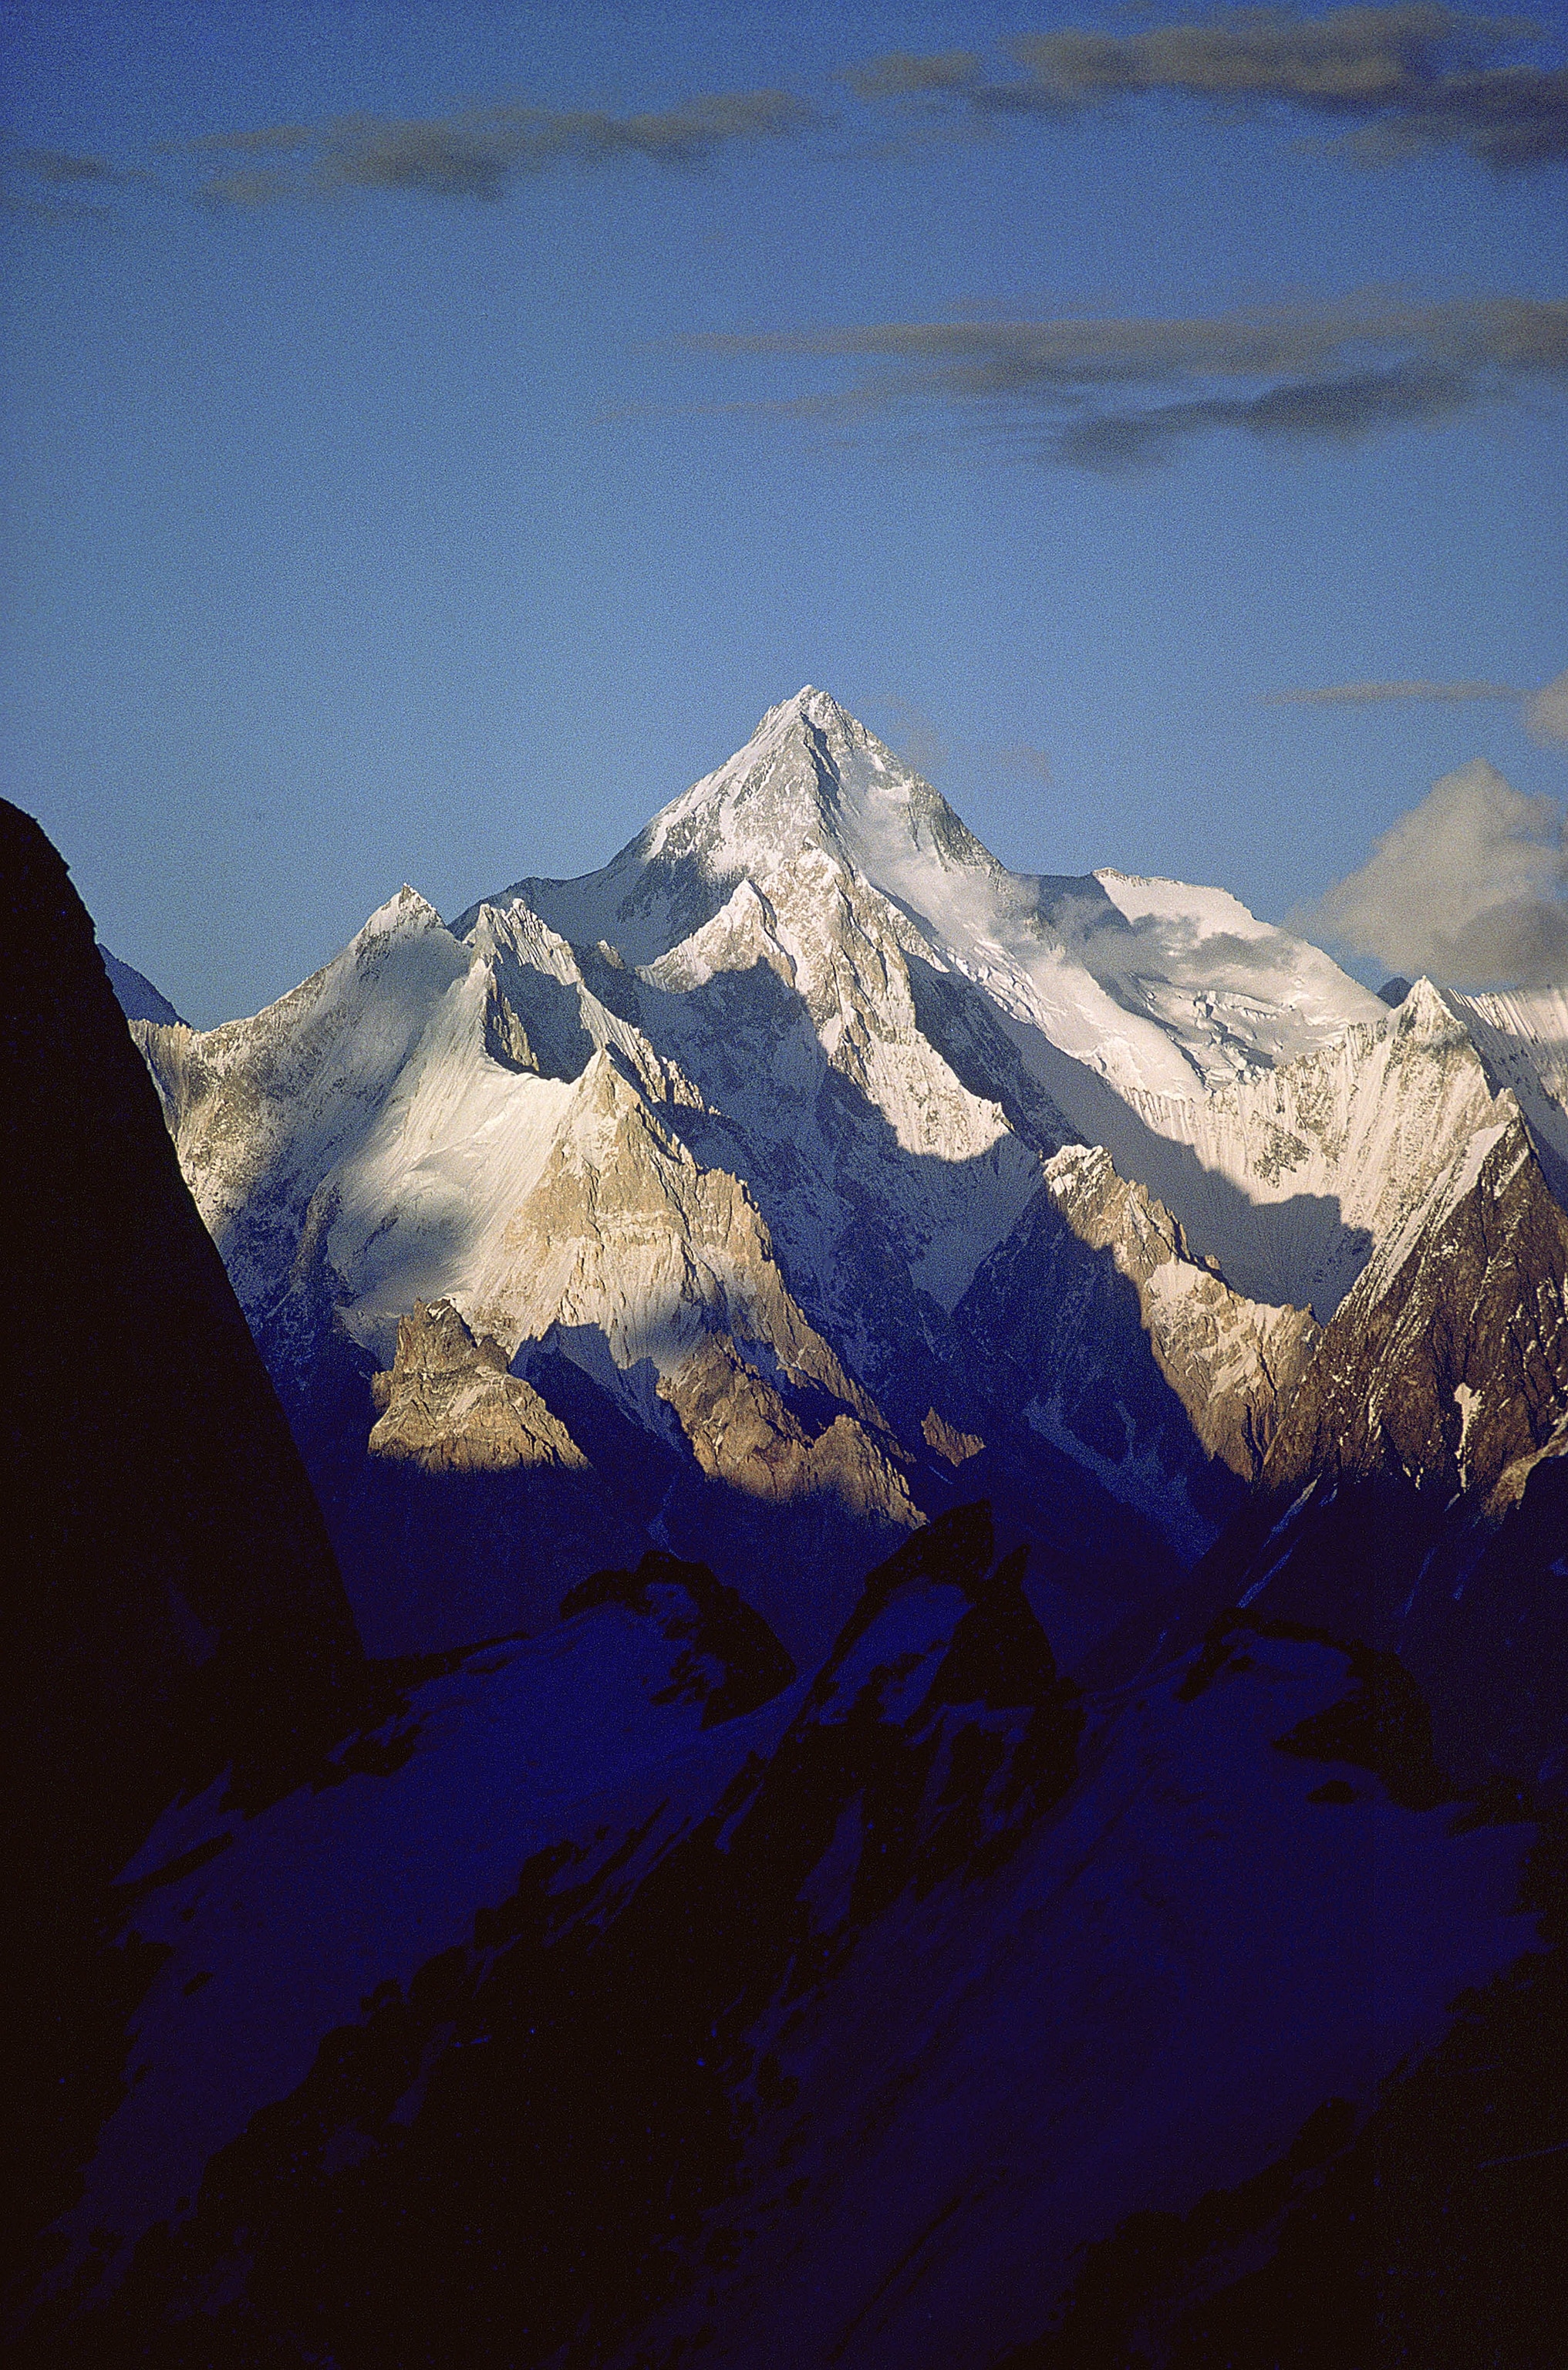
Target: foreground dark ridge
column 174, row 1604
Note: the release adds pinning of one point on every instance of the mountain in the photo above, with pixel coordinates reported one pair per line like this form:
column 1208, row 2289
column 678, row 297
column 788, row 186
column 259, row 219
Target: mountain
column 763, row 1160
column 958, row 1486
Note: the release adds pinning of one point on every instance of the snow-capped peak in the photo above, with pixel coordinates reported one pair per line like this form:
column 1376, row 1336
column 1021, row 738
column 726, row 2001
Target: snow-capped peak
column 1155, row 986
column 1425, row 1013
column 817, row 708
column 407, row 911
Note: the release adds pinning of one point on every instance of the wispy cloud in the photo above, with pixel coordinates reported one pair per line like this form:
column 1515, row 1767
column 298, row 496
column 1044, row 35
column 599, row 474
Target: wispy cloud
column 482, row 152
column 1545, row 712
column 57, row 185
column 1401, row 79
column 1374, row 695
column 57, row 168
column 1118, row 393
column 1025, row 761
column 1390, row 81
column 1468, row 886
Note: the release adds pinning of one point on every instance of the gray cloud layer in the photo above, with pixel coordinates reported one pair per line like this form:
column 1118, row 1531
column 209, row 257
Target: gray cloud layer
column 1392, row 80
column 1112, row 395
column 1402, row 77
column 1468, row 886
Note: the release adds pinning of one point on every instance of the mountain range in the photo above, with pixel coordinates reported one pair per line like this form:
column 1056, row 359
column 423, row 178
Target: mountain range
column 955, row 1488
column 804, row 1172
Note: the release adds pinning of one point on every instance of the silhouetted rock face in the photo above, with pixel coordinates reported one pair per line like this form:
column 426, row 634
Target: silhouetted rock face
column 176, row 1602
column 614, row 2009
column 728, row 1658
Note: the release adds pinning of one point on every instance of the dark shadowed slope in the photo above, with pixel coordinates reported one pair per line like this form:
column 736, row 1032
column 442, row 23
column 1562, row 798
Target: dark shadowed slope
column 173, row 1602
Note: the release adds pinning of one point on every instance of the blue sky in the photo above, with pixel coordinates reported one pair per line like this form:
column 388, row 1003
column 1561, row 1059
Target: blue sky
column 433, row 435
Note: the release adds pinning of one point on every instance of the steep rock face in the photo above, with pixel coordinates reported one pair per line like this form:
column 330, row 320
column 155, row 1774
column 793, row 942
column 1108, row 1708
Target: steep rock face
column 262, row 1109
column 1448, row 1360
column 157, row 1504
column 136, row 996
column 1128, row 1353
column 1292, row 1177
column 452, row 1407
column 1232, row 1363
column 1522, row 1037
column 1416, row 1492
column 629, row 1236
column 954, row 1448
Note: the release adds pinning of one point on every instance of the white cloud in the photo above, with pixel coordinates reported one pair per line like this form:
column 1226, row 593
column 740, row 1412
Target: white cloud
column 1467, row 887
column 1546, row 715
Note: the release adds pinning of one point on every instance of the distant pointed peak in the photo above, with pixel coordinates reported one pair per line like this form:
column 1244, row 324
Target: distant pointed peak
column 407, row 911
column 136, row 995
column 1426, row 1012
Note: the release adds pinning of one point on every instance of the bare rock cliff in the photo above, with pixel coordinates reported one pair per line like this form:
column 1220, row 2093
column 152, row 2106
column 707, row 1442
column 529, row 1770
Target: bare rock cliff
column 450, row 1406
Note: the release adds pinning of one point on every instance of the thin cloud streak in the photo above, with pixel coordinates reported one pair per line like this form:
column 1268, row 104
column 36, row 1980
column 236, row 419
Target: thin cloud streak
column 1114, row 396
column 1373, row 695
column 483, row 152
column 1395, row 81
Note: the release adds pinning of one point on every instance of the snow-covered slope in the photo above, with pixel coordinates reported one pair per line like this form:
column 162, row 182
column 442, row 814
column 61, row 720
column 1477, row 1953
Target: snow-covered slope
column 1522, row 1037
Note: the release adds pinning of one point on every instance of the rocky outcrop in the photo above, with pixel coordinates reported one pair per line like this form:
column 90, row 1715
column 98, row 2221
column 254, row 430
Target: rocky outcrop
column 954, row 1448
column 625, row 1233
column 1234, row 1363
column 727, row 1657
column 451, row 1407
column 743, row 1434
